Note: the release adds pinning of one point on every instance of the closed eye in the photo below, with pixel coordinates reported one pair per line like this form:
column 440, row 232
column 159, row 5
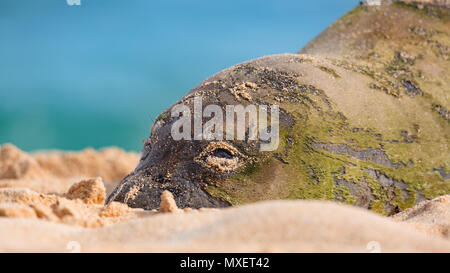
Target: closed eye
column 222, row 153
column 220, row 156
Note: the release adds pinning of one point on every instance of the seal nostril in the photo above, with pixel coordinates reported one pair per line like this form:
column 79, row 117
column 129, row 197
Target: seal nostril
column 222, row 153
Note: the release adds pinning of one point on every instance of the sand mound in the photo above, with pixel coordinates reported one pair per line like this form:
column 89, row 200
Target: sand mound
column 431, row 216
column 112, row 164
column 90, row 191
column 274, row 226
column 16, row 210
column 82, row 205
column 55, row 172
column 15, row 164
column 168, row 203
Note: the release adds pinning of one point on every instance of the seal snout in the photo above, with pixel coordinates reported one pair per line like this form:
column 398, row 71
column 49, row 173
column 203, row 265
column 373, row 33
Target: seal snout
column 142, row 190
column 137, row 190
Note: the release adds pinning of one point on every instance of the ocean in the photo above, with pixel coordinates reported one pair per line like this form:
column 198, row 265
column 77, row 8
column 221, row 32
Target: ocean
column 97, row 74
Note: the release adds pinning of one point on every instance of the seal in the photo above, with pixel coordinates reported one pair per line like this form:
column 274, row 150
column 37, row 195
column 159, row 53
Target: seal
column 371, row 129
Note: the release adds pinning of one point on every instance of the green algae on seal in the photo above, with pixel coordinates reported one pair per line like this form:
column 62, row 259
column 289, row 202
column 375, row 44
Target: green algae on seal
column 340, row 137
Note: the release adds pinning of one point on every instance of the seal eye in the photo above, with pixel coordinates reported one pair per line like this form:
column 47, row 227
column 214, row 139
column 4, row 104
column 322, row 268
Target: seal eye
column 221, row 156
column 222, row 153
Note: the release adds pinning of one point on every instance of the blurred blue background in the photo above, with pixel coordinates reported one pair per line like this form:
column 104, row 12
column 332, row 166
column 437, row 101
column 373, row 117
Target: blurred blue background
column 96, row 75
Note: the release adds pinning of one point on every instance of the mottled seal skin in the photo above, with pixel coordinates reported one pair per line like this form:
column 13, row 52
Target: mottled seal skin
column 371, row 129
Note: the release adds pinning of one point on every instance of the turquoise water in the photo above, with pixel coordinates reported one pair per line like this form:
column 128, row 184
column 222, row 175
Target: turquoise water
column 96, row 75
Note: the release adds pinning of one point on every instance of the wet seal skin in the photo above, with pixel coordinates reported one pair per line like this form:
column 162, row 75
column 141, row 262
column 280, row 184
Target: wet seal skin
column 350, row 130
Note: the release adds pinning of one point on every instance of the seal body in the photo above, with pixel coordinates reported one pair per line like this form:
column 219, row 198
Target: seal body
column 371, row 129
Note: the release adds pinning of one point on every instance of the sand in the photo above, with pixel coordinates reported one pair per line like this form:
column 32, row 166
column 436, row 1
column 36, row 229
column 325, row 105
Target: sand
column 55, row 172
column 53, row 202
column 433, row 216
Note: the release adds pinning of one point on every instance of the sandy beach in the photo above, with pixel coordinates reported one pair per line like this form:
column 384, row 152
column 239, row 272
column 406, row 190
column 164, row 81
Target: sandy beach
column 54, row 202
